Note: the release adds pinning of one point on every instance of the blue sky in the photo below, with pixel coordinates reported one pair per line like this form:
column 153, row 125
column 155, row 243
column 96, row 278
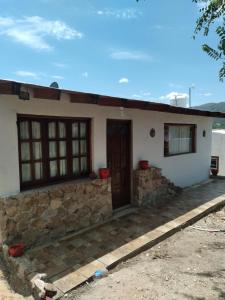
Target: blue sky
column 122, row 48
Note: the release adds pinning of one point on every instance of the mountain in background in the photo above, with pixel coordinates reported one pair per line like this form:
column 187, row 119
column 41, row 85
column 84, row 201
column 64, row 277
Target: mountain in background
column 220, row 107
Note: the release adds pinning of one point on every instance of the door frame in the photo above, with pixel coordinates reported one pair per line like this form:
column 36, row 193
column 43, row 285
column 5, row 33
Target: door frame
column 130, row 124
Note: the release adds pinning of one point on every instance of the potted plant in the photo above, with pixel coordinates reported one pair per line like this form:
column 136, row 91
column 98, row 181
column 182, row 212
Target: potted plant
column 143, row 164
column 16, row 250
column 103, row 173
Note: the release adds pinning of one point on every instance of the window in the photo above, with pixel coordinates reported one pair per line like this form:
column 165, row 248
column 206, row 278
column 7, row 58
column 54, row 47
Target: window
column 52, row 150
column 214, row 163
column 179, row 139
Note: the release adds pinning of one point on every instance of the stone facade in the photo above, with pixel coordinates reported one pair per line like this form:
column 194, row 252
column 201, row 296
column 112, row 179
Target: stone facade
column 151, row 188
column 37, row 215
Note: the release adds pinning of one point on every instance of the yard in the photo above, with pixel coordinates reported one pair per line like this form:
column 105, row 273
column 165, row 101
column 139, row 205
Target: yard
column 188, row 265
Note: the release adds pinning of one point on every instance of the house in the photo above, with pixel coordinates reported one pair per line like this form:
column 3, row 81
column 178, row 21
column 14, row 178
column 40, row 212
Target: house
column 218, row 146
column 52, row 139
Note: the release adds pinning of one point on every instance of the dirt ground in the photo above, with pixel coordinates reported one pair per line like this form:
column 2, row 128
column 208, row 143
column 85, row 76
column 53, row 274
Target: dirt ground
column 188, row 265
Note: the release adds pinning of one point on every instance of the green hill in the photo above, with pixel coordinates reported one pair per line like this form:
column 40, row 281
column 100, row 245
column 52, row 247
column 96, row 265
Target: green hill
column 220, row 107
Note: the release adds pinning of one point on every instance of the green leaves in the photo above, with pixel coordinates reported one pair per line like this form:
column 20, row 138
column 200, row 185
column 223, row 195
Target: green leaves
column 213, row 12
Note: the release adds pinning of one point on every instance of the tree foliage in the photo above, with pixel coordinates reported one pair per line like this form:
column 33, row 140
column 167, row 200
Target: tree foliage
column 213, row 12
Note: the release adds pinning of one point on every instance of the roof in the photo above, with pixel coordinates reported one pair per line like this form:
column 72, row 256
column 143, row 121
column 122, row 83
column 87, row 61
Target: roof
column 8, row 87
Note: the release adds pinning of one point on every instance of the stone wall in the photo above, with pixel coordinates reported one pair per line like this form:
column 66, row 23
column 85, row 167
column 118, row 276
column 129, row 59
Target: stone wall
column 151, row 188
column 35, row 216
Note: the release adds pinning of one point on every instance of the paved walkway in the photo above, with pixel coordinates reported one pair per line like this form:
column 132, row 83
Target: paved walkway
column 77, row 250
column 63, row 257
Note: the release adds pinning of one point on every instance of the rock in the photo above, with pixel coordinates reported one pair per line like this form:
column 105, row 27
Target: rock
column 151, row 188
column 11, row 211
column 56, row 203
column 36, row 216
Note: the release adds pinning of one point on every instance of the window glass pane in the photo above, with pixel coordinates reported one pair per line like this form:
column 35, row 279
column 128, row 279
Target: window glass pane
column 38, row 171
column 52, row 149
column 37, row 150
column 83, row 164
column 75, row 131
column 51, row 130
column 36, row 130
column 75, row 147
column 180, row 140
column 62, row 148
column 26, row 172
column 75, row 166
column 62, row 130
column 25, row 151
column 185, row 141
column 24, row 130
column 34, row 159
column 83, row 147
column 62, row 164
column 53, row 168
column 83, row 129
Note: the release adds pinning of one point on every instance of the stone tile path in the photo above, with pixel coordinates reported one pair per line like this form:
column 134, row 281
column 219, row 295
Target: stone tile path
column 98, row 247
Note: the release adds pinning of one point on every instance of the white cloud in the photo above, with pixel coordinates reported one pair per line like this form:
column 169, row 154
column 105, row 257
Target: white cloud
column 59, row 77
column 157, row 27
column 130, row 55
column 32, row 31
column 206, row 94
column 60, row 65
column 6, row 21
column 175, row 85
column 125, row 14
column 146, row 93
column 174, row 95
column 85, row 74
column 136, row 96
column 22, row 73
column 142, row 95
column 124, row 80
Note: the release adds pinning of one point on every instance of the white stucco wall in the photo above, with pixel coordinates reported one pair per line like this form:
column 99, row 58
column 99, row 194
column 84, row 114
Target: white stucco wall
column 183, row 170
column 218, row 148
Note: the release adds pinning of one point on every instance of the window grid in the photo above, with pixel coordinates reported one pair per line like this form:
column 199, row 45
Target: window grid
column 31, row 141
column 192, row 137
column 57, row 140
column 63, row 150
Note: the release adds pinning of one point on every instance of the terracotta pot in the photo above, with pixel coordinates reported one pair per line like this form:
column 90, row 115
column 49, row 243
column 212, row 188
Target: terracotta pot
column 16, row 250
column 143, row 164
column 104, row 173
column 214, row 172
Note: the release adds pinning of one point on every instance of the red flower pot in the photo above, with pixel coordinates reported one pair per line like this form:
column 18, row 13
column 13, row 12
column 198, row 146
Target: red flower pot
column 104, row 173
column 143, row 164
column 214, row 172
column 16, row 250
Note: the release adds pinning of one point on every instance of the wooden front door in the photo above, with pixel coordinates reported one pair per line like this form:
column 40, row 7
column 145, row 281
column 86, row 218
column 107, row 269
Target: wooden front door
column 119, row 160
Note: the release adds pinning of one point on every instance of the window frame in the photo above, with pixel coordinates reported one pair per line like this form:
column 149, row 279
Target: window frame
column 193, row 128
column 47, row 180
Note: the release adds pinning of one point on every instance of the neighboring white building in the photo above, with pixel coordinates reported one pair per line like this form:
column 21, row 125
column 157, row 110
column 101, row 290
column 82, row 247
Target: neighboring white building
column 179, row 101
column 218, row 148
